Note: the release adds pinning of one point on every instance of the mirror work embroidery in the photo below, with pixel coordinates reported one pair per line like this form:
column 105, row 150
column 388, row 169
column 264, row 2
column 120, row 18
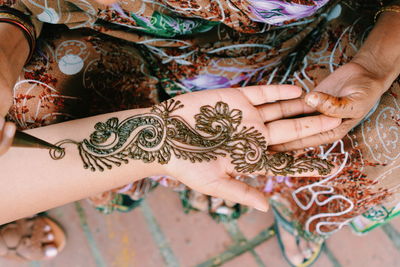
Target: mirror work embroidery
column 158, row 135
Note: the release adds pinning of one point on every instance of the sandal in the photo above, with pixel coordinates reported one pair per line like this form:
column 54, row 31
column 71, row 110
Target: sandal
column 289, row 227
column 31, row 239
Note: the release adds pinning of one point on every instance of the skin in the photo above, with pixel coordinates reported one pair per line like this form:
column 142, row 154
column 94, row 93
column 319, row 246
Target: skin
column 14, row 50
column 158, row 135
column 36, row 182
column 348, row 93
column 352, row 90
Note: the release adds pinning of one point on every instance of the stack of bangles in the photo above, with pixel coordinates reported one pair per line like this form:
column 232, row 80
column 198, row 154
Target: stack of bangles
column 19, row 19
column 392, row 7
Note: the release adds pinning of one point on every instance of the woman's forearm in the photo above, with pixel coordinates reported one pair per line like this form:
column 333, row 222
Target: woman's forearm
column 380, row 54
column 31, row 181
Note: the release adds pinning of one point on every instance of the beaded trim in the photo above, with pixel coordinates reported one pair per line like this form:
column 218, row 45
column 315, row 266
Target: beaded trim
column 390, row 8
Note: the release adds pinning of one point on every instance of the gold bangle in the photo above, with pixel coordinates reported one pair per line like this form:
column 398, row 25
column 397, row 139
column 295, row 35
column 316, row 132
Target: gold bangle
column 17, row 18
column 392, row 8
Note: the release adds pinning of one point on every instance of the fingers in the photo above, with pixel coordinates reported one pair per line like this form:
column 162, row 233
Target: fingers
column 289, row 165
column 262, row 94
column 283, row 165
column 236, row 191
column 7, row 131
column 339, row 107
column 318, row 139
column 284, row 109
column 282, row 131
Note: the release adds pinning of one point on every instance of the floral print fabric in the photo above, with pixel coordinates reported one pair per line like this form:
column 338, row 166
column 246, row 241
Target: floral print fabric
column 277, row 12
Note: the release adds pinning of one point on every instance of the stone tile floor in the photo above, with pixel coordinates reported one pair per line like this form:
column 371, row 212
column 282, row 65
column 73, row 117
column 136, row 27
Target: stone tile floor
column 155, row 235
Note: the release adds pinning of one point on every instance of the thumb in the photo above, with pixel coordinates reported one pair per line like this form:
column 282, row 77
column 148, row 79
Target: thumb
column 237, row 191
column 339, row 107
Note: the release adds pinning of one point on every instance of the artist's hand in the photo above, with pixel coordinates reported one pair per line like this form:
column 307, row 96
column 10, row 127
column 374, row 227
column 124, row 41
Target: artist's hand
column 258, row 107
column 349, row 93
column 14, row 51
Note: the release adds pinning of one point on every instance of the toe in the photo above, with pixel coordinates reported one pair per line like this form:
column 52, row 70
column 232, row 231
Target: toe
column 305, row 249
column 30, row 250
column 50, row 251
column 11, row 235
column 48, row 238
column 291, row 249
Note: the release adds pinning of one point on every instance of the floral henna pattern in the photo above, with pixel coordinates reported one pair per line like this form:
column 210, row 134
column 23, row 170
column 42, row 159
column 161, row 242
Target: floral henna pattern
column 158, row 135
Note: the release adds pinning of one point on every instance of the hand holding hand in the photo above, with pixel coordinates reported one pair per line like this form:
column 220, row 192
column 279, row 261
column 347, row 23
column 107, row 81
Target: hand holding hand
column 228, row 131
column 349, row 93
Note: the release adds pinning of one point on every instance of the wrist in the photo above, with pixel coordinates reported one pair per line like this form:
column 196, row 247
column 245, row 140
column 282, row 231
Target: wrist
column 13, row 37
column 24, row 24
column 380, row 53
column 383, row 75
column 151, row 167
column 371, row 68
column 14, row 51
column 124, row 140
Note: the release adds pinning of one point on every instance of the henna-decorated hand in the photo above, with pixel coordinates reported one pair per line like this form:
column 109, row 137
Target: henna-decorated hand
column 350, row 93
column 250, row 117
column 206, row 138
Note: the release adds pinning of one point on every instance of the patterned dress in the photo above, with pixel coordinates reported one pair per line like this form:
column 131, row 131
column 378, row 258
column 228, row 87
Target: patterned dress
column 94, row 59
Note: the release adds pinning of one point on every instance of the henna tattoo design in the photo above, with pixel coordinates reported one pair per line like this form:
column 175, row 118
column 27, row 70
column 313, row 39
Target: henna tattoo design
column 157, row 135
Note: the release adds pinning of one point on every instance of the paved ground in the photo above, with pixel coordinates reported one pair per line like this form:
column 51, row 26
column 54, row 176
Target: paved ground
column 157, row 236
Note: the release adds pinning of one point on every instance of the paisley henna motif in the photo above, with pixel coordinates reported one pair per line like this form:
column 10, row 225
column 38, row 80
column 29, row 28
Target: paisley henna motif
column 157, row 135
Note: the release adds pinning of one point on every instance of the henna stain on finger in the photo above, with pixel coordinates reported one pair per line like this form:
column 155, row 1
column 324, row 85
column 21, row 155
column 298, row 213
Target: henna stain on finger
column 158, row 135
column 339, row 101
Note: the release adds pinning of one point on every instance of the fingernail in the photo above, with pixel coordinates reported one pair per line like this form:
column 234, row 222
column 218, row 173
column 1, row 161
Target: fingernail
column 9, row 130
column 312, row 100
column 50, row 251
column 47, row 228
column 262, row 207
column 50, row 237
column 308, row 253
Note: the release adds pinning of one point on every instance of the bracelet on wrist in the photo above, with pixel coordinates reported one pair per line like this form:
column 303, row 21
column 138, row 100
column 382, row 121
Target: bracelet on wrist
column 392, row 7
column 22, row 21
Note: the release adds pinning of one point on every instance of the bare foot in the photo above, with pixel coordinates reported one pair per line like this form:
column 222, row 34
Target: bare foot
column 35, row 238
column 297, row 249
